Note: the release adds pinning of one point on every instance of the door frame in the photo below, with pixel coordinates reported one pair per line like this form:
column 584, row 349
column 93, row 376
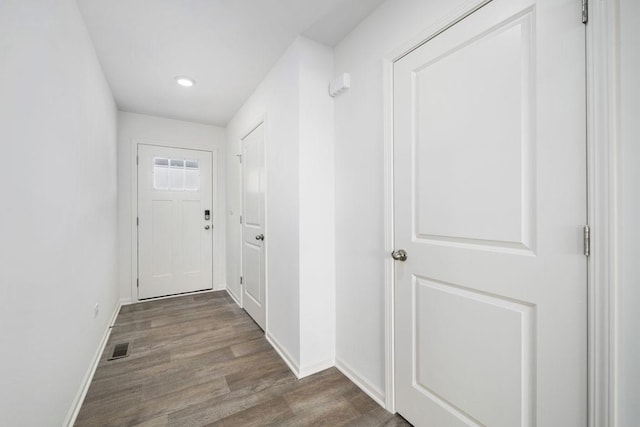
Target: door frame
column 215, row 215
column 602, row 149
column 253, row 125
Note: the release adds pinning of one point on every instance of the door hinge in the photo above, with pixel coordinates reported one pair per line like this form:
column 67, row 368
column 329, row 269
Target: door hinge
column 137, row 283
column 239, row 157
column 137, row 160
column 241, row 280
column 587, row 240
column 585, row 11
column 240, row 219
column 137, row 220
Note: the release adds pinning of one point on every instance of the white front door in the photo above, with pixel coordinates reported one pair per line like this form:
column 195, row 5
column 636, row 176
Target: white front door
column 490, row 204
column 253, row 230
column 175, row 225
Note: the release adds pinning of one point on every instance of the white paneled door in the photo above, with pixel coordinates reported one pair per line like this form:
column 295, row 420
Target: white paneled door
column 253, row 230
column 175, row 221
column 490, row 205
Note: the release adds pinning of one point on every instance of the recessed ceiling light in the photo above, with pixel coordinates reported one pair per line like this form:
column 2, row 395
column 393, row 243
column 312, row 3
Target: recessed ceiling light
column 185, row 81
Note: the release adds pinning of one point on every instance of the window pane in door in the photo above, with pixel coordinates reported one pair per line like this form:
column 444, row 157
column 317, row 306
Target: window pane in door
column 192, row 175
column 160, row 174
column 176, row 175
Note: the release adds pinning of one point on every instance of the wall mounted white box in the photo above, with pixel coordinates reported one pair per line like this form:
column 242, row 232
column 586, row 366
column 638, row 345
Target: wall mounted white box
column 340, row 84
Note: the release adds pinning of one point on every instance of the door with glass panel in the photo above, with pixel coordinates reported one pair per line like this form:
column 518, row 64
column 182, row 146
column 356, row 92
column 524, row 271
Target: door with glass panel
column 175, row 221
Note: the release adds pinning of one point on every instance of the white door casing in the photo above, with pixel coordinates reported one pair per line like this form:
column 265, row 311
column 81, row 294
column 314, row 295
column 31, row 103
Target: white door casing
column 253, row 227
column 175, row 240
column 490, row 202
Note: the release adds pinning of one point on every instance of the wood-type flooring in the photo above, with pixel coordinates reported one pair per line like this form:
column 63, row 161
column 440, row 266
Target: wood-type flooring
column 200, row 360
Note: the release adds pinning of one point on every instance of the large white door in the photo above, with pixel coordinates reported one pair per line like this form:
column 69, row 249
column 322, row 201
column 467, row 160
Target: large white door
column 175, row 227
column 253, row 236
column 490, row 204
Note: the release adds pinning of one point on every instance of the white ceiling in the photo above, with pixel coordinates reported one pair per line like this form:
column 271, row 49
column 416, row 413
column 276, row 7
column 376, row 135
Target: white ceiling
column 227, row 46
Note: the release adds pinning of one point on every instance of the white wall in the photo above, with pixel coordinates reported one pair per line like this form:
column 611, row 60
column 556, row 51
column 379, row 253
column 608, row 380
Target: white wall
column 628, row 375
column 276, row 98
column 299, row 150
column 140, row 128
column 58, row 220
column 359, row 182
column 317, row 209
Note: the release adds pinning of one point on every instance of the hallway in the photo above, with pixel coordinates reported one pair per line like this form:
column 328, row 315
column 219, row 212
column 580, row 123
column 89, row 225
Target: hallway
column 199, row 360
column 306, row 212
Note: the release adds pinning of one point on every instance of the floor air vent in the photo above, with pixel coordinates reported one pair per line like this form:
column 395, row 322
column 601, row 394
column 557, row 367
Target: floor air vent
column 119, row 351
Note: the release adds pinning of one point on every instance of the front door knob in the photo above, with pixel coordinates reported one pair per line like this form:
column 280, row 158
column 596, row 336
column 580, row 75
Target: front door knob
column 260, row 237
column 399, row 255
column 206, row 227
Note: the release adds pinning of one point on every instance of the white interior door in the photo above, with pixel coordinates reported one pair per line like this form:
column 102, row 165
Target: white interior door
column 175, row 236
column 490, row 204
column 253, row 230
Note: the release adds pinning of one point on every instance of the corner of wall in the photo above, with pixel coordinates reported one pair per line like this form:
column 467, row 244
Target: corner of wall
column 374, row 392
column 316, row 208
column 74, row 410
column 291, row 361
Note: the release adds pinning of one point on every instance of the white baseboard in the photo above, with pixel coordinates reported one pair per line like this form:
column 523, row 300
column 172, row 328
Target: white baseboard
column 220, row 287
column 233, row 297
column 305, row 371
column 375, row 393
column 125, row 301
column 86, row 381
column 284, row 354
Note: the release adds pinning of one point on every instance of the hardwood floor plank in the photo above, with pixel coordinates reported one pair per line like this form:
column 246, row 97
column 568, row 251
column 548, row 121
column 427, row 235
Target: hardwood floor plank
column 334, row 413
column 377, row 418
column 318, row 393
column 274, row 411
column 254, row 376
column 161, row 421
column 250, row 346
column 200, row 360
column 232, row 403
column 361, row 401
column 174, row 401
